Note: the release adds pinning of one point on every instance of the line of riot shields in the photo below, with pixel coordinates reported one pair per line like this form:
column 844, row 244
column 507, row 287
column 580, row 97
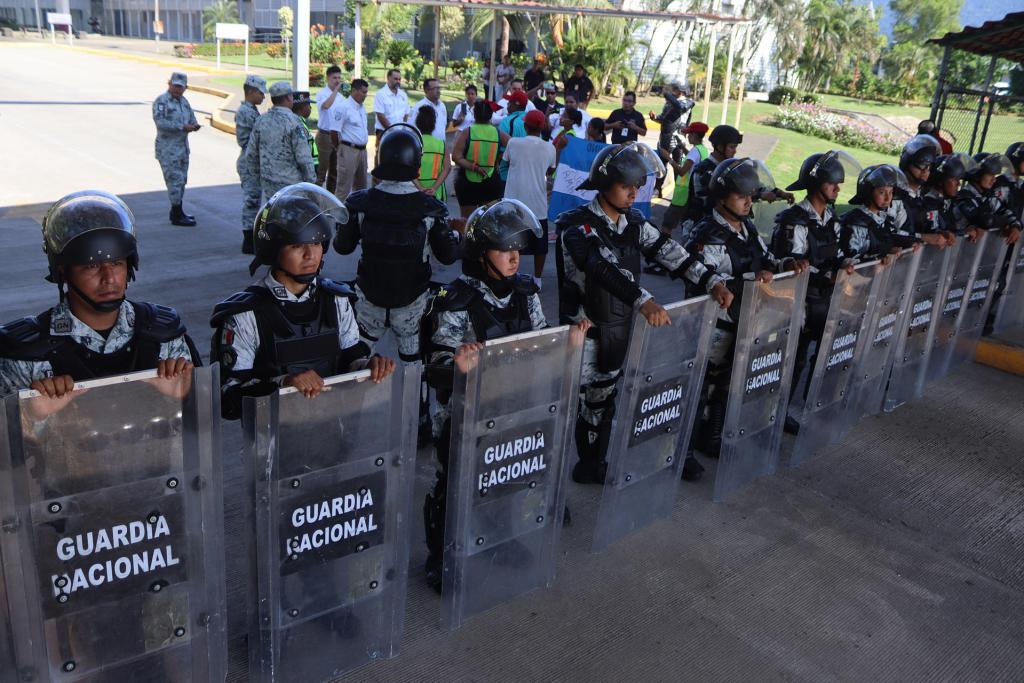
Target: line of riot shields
column 111, row 498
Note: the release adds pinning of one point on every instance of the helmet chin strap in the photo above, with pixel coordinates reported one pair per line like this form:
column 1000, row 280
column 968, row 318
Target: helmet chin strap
column 499, row 284
column 302, row 279
column 98, row 306
column 730, row 212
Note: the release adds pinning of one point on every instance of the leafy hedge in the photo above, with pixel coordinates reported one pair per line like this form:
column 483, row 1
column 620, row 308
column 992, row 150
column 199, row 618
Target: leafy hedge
column 814, row 120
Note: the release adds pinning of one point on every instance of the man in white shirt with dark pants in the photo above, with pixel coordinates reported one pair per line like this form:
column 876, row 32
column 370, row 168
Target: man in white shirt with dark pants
column 390, row 104
column 432, row 99
column 352, row 139
column 328, row 103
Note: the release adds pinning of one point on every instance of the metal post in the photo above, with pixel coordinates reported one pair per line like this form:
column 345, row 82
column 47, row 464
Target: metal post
column 941, row 82
column 218, row 52
column 981, row 101
column 743, row 73
column 39, row 20
column 357, row 42
column 247, row 54
column 493, row 77
column 156, row 22
column 300, row 54
column 437, row 38
column 711, row 69
column 728, row 71
column 988, row 119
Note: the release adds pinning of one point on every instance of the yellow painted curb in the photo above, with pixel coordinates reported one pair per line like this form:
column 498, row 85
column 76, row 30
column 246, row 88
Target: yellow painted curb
column 150, row 60
column 999, row 355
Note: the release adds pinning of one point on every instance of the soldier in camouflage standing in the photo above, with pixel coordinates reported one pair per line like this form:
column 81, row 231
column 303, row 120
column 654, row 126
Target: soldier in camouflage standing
column 245, row 119
column 174, row 120
column 278, row 151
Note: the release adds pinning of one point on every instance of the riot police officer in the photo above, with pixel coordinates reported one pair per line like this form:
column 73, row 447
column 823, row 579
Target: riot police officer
column 601, row 246
column 94, row 331
column 913, row 216
column 1009, row 186
column 728, row 243
column 944, row 180
column 868, row 230
column 294, row 327
column 488, row 301
column 399, row 227
column 978, row 206
column 808, row 230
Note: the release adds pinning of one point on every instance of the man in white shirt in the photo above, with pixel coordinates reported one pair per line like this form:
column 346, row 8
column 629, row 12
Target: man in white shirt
column 570, row 104
column 503, row 74
column 515, row 85
column 432, row 99
column 462, row 117
column 328, row 103
column 390, row 104
column 352, row 141
column 530, row 161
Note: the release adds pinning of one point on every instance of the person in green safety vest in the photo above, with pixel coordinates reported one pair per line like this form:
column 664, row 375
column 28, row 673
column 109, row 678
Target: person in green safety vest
column 475, row 152
column 301, row 108
column 435, row 163
column 681, row 168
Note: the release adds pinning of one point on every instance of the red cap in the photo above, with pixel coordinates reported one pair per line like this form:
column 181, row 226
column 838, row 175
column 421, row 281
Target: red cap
column 517, row 97
column 493, row 105
column 698, row 127
column 534, row 119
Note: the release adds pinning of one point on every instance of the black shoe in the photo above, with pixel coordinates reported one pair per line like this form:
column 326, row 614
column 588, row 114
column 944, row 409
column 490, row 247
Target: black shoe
column 187, row 216
column 589, row 471
column 247, row 246
column 692, row 470
column 425, row 435
column 791, row 426
column 434, row 568
column 177, row 217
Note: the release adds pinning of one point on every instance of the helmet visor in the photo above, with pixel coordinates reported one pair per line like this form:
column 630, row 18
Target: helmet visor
column 915, row 151
column 305, row 212
column 83, row 212
column 835, row 166
column 505, row 225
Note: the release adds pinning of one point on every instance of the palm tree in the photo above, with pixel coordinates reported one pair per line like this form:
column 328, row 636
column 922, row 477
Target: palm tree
column 220, row 12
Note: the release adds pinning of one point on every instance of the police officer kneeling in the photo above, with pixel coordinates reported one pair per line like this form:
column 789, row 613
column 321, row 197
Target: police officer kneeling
column 295, row 327
column 488, row 301
column 89, row 240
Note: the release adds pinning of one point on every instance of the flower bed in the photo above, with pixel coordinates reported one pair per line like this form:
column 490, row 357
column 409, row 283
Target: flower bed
column 815, row 120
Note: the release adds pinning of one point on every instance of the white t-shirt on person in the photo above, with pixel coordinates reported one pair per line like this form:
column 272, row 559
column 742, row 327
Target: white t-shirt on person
column 528, row 160
column 328, row 120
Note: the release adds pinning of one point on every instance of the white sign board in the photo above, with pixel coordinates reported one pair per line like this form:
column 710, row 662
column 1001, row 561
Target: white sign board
column 58, row 19
column 233, row 31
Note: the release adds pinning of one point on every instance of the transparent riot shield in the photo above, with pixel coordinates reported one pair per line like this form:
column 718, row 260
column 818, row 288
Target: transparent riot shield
column 822, row 420
column 974, row 312
column 885, row 320
column 947, row 325
column 112, row 510
column 912, row 345
column 762, row 369
column 661, row 382
column 513, row 406
column 1010, row 304
column 332, row 480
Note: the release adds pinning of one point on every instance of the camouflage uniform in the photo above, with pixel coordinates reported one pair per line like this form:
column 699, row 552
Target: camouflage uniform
column 19, row 374
column 171, row 115
column 245, row 121
column 278, row 152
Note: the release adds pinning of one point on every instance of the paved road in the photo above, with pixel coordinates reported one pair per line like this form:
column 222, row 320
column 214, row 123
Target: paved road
column 898, row 556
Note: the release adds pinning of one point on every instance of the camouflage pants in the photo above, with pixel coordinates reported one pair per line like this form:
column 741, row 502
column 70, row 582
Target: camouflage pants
column 251, row 193
column 175, row 176
column 598, row 387
column 404, row 322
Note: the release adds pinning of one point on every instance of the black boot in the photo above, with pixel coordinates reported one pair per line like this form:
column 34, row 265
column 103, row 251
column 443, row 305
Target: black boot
column 590, row 469
column 247, row 247
column 177, row 217
column 692, row 470
column 187, row 216
column 716, row 423
column 791, row 426
column 433, row 521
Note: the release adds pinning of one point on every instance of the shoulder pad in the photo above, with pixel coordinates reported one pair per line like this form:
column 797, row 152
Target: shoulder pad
column 856, row 217
column 25, row 339
column 432, row 207
column 358, row 201
column 157, row 323
column 708, row 231
column 794, row 215
column 524, row 284
column 248, row 300
column 455, row 296
column 574, row 217
column 633, row 216
column 341, row 289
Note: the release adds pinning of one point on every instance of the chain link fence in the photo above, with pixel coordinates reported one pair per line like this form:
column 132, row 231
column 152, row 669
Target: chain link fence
column 975, row 120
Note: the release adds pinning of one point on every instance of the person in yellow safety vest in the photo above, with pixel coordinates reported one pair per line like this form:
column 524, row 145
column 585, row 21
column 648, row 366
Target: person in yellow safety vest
column 695, row 133
column 302, row 109
column 435, row 164
column 475, row 152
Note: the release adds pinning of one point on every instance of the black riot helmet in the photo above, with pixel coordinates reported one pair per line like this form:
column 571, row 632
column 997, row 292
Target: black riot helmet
column 503, row 225
column 743, row 176
column 920, row 151
column 87, row 227
column 826, row 167
column 399, row 153
column 950, row 167
column 989, row 162
column 874, row 177
column 1015, row 153
column 629, row 163
column 725, row 135
column 302, row 213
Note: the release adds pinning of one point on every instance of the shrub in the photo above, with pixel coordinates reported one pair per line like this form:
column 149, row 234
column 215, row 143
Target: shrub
column 275, row 50
column 317, row 74
column 814, row 120
column 783, row 94
column 810, row 98
column 399, row 51
column 183, row 50
column 324, row 48
column 467, row 71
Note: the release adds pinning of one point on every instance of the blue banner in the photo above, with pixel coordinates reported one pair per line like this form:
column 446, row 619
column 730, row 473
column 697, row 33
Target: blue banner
column 573, row 168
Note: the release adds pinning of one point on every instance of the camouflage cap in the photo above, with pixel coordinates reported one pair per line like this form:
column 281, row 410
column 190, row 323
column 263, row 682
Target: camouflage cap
column 258, row 82
column 179, row 78
column 280, row 89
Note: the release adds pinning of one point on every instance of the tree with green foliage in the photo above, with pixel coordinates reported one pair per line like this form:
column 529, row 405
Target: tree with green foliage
column 220, row 12
column 911, row 61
